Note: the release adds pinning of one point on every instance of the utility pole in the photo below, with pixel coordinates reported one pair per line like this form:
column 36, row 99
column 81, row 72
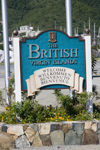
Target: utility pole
column 68, row 5
column 94, row 32
column 55, row 26
column 94, row 36
column 89, row 24
column 6, row 47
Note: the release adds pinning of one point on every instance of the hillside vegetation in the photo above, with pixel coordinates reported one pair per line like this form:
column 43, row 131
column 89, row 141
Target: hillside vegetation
column 43, row 13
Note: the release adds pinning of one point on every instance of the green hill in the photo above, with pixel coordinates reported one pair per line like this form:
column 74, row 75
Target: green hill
column 43, row 13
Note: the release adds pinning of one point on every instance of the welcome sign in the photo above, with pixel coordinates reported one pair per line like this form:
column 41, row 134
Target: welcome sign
column 52, row 60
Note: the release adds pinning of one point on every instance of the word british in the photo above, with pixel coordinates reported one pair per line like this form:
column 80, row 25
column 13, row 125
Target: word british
column 35, row 52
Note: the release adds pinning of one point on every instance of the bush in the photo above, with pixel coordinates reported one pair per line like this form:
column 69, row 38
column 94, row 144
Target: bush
column 9, row 116
column 32, row 112
column 73, row 106
column 83, row 115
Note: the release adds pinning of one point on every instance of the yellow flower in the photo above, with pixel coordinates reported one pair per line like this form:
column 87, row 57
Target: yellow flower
column 51, row 118
column 60, row 118
column 6, row 108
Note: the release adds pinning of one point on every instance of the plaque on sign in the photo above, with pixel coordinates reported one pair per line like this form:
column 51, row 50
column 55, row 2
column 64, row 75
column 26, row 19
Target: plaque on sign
column 54, row 76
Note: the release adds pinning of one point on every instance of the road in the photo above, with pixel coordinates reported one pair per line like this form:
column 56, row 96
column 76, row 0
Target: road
column 97, row 68
column 96, row 80
column 2, row 75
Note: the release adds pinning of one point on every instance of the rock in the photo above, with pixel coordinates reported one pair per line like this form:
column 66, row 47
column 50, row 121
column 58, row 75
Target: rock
column 15, row 130
column 98, row 126
column 37, row 141
column 25, row 127
column 78, row 128
column 94, row 127
column 57, row 137
column 22, row 142
column 55, row 127
column 15, row 137
column 46, row 141
column 87, row 125
column 4, row 128
column 30, row 134
column 6, row 141
column 66, row 127
column 44, row 129
column 99, row 138
column 90, row 137
column 90, row 125
column 34, row 126
column 71, row 138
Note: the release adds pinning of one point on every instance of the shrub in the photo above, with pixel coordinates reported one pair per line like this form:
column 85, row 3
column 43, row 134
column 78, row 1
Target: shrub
column 83, row 115
column 73, row 106
column 32, row 112
column 9, row 116
column 96, row 111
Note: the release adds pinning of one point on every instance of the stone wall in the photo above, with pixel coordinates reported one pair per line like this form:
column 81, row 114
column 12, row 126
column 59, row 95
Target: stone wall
column 47, row 134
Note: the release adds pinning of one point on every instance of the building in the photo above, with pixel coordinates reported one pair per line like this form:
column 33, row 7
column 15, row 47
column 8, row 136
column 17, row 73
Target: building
column 24, row 31
column 27, row 31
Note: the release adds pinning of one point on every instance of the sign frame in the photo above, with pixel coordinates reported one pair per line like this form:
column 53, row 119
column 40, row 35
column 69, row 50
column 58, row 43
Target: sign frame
column 80, row 38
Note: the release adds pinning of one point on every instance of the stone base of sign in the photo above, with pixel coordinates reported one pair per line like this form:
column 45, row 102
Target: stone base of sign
column 50, row 134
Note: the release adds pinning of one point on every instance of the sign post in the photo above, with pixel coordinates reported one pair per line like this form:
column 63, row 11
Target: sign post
column 16, row 48
column 88, row 63
column 89, row 72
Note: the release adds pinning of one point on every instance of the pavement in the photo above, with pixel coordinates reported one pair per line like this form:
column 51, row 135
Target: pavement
column 97, row 68
column 72, row 147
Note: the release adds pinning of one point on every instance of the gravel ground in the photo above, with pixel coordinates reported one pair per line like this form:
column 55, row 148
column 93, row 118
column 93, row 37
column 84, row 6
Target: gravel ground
column 74, row 147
